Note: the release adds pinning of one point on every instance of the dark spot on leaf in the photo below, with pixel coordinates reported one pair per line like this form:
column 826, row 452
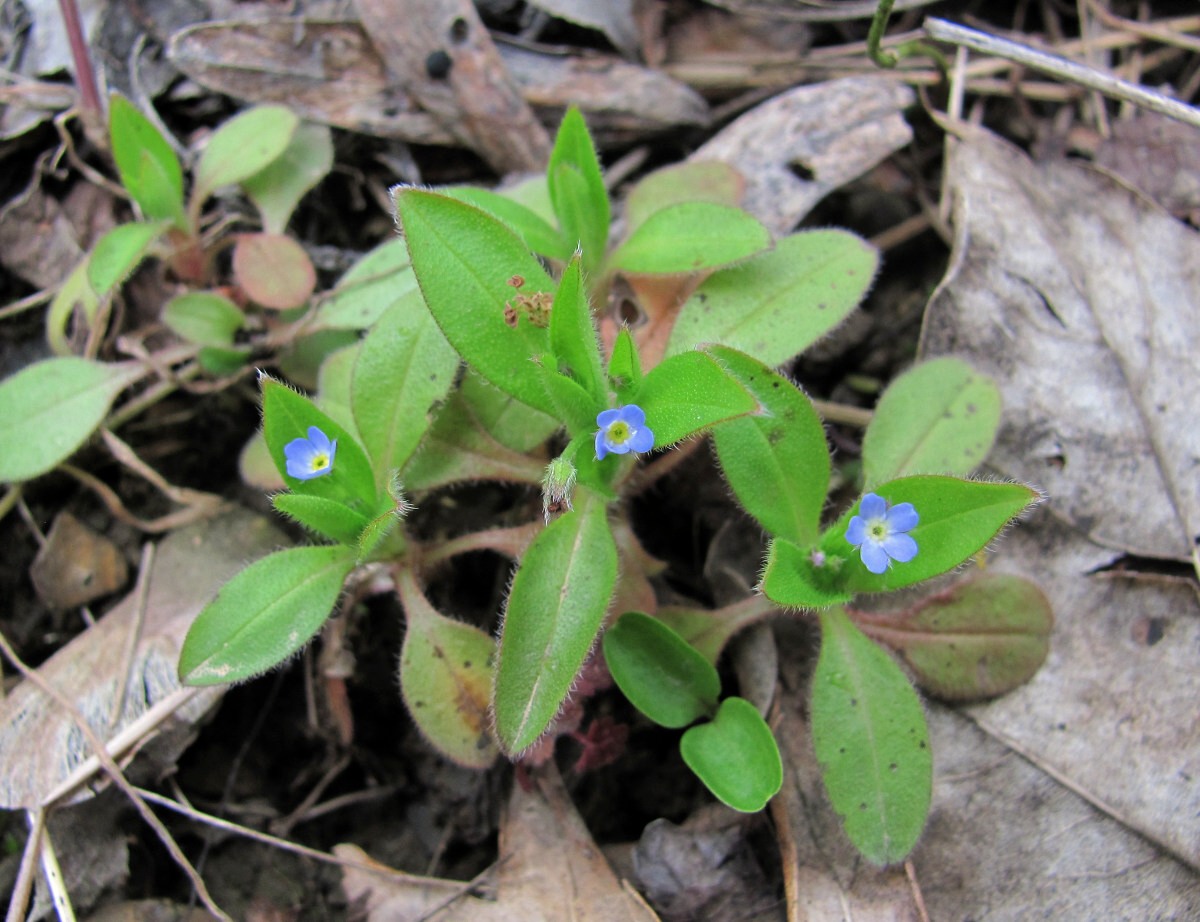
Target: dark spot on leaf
column 466, row 664
column 862, row 806
column 893, row 767
column 923, row 746
column 853, row 702
column 841, row 750
column 418, row 704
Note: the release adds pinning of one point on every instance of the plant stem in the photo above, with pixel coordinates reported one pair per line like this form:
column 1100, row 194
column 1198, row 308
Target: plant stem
column 85, row 78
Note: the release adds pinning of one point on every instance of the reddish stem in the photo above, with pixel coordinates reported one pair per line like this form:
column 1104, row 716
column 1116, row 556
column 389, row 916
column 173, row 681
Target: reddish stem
column 85, row 79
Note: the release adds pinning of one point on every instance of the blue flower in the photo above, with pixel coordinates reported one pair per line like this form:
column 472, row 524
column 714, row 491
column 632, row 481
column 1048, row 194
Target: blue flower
column 879, row 532
column 622, row 430
column 310, row 457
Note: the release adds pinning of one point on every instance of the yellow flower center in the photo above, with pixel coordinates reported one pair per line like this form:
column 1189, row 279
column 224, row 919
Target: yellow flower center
column 618, row 432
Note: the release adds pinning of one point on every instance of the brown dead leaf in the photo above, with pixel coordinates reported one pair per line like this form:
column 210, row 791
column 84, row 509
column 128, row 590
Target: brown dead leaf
column 1007, row 842
column 797, row 147
column 1159, row 155
column 549, row 869
column 40, row 745
column 442, row 53
column 614, row 18
column 1079, row 296
column 76, row 565
column 326, row 71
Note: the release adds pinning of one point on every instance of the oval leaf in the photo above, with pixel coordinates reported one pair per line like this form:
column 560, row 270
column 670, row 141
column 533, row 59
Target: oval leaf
column 777, row 304
column 692, row 181
column 119, row 252
column 661, row 675
column 736, row 756
column 536, row 231
column 577, row 190
column 870, row 737
column 277, row 188
column 464, row 260
column 514, row 424
column 554, row 611
column 48, row 410
column 149, row 168
column 204, row 317
column 573, row 335
column 792, row 578
column 940, row 417
column 379, row 280
column 776, row 460
column 690, row 237
column 446, row 679
column 243, row 146
column 404, row 367
column 687, row 393
column 326, row 517
column 264, row 615
column 978, row 639
column 958, row 518
column 273, row 270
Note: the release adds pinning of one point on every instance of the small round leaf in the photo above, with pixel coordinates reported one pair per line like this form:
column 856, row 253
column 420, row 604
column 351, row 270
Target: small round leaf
column 736, row 756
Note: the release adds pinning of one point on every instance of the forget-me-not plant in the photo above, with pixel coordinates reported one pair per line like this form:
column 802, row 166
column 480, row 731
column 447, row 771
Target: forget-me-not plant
column 880, row 532
column 621, row 431
column 310, row 457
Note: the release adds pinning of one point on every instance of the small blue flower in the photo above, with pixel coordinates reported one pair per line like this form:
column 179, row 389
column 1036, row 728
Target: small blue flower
column 310, row 457
column 622, row 430
column 880, row 535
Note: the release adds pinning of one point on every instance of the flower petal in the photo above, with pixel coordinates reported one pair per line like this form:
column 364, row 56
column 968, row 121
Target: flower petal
column 873, row 506
column 901, row 548
column 643, row 440
column 634, row 415
column 606, row 418
column 856, row 531
column 874, row 557
column 902, row 517
column 320, row 441
column 601, row 444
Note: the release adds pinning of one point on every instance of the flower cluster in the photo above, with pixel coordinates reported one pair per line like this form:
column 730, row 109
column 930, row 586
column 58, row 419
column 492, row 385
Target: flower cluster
column 621, row 431
column 310, row 457
column 880, row 532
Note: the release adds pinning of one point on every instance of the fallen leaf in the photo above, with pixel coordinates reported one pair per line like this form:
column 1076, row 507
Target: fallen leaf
column 40, row 745
column 76, row 565
column 797, row 147
column 614, row 19
column 1159, row 155
column 549, row 869
column 1078, row 296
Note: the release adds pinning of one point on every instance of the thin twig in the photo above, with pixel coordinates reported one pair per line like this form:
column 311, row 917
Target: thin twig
column 100, row 752
column 134, row 634
column 52, row 872
column 1069, row 71
column 23, row 886
column 85, row 79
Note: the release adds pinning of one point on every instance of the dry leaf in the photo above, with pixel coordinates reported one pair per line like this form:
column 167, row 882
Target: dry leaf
column 549, row 869
column 1079, row 297
column 1159, row 155
column 40, row 744
column 75, row 565
column 613, row 17
column 797, row 147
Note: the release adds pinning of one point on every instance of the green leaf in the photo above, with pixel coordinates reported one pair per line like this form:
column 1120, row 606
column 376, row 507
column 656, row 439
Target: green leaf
column 536, row 231
column 326, row 517
column 870, row 737
column 464, row 259
column 958, row 518
column 690, row 237
column 119, row 252
column 573, row 335
column 335, row 385
column 687, row 393
column 710, row 181
column 736, row 756
column 405, row 367
column 457, row 448
column 978, row 639
column 446, row 677
column 74, row 298
column 708, row 630
column 149, row 169
column 554, row 611
column 286, row 416
column 204, row 317
column 577, row 190
column 264, row 615
column 624, row 365
column 661, row 675
column 49, row 408
column 273, row 270
column 776, row 460
column 514, row 424
column 378, row 281
column 219, row 361
column 791, row 579
column 777, row 304
column 940, row 417
column 277, row 188
column 243, row 146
